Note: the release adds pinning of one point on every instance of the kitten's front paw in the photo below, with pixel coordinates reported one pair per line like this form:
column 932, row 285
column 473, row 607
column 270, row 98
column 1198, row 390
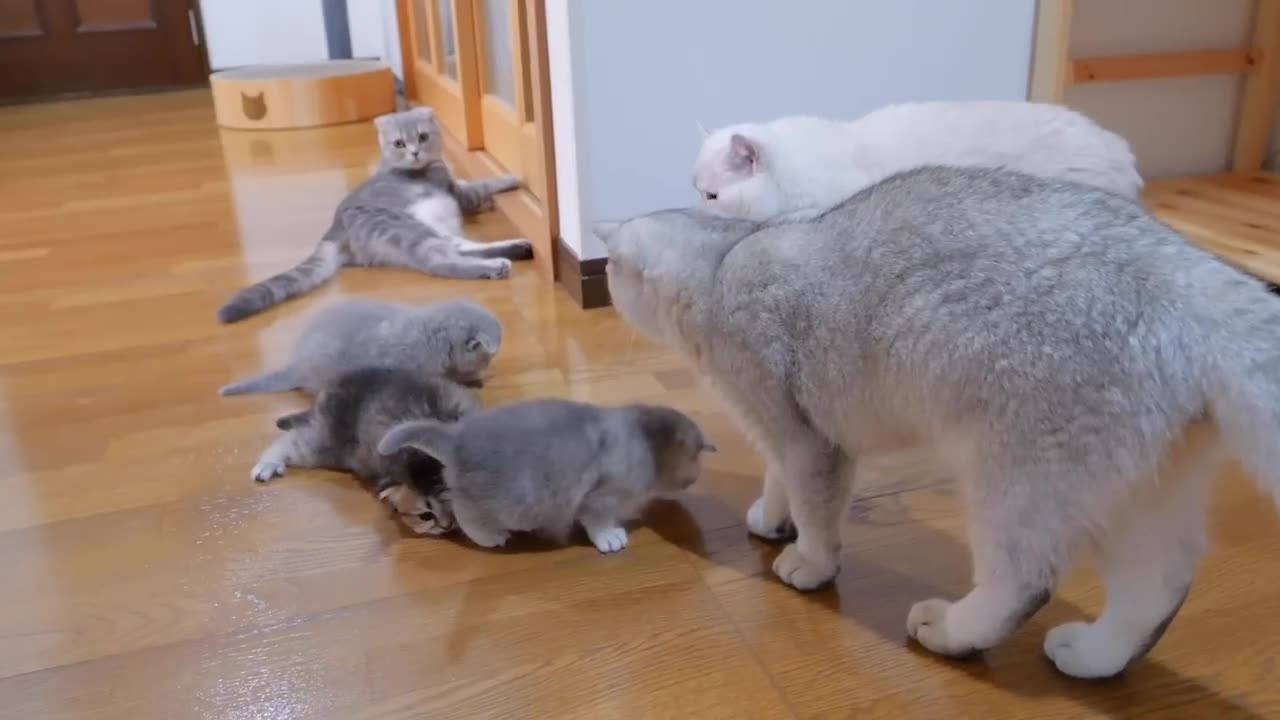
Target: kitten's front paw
column 802, row 573
column 1083, row 651
column 501, row 268
column 927, row 624
column 488, row 538
column 266, row 470
column 772, row 525
column 609, row 540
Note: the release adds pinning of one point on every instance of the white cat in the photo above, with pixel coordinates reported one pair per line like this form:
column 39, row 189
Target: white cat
column 801, row 166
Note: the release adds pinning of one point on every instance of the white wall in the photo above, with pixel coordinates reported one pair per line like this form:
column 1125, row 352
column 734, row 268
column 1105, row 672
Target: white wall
column 631, row 80
column 249, row 32
column 1177, row 126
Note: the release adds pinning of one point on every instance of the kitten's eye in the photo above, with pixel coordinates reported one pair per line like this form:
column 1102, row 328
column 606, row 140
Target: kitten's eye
column 422, row 137
column 399, row 143
column 710, row 195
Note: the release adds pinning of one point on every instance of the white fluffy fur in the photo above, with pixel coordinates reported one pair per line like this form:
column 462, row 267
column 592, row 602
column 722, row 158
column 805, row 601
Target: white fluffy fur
column 801, row 166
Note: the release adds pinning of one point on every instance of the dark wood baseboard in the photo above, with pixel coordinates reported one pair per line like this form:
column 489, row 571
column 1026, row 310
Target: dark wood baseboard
column 585, row 280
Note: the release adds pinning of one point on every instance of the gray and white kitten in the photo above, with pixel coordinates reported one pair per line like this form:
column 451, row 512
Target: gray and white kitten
column 408, row 214
column 1082, row 367
column 342, row 429
column 544, row 465
column 457, row 339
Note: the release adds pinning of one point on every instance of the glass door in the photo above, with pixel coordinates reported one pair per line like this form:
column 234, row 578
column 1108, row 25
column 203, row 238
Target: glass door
column 506, row 107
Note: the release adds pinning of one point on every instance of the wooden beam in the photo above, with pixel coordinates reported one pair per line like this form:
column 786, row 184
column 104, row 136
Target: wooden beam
column 1258, row 99
column 1051, row 57
column 1163, row 65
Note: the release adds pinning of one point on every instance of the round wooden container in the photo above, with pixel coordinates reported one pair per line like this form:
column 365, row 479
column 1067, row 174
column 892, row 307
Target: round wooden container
column 275, row 97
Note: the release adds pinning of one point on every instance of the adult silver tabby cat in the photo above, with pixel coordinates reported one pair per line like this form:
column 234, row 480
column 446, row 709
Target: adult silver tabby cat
column 1080, row 365
column 408, row 214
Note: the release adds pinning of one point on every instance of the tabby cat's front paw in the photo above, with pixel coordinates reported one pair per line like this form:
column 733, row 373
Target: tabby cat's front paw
column 503, row 183
column 499, row 269
column 266, row 471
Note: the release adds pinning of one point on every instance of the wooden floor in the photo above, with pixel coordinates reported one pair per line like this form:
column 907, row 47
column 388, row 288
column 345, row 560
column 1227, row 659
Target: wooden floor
column 144, row 576
column 1234, row 215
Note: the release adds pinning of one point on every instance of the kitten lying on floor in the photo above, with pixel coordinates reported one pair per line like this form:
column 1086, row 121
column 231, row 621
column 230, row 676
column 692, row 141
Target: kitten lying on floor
column 457, row 339
column 1080, row 365
column 545, row 465
column 801, row 166
column 342, row 429
column 408, row 214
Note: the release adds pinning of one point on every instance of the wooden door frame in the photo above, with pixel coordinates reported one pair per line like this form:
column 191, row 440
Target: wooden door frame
column 536, row 218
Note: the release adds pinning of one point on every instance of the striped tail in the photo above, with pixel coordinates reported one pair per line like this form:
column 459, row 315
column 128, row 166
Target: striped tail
column 307, row 275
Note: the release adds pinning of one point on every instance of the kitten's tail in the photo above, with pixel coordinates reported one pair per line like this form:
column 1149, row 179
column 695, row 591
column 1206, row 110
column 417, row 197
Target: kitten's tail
column 321, row 265
column 274, row 381
column 431, row 437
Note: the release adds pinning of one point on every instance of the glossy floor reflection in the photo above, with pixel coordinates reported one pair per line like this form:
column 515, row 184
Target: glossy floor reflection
column 146, row 577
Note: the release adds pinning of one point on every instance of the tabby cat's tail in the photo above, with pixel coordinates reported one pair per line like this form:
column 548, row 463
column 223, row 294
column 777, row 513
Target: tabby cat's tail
column 305, row 276
column 431, row 437
column 274, row 381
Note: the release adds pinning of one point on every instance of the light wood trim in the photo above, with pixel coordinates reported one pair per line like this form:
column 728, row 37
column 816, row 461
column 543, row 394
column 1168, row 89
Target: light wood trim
column 1162, row 65
column 519, row 57
column 1051, row 56
column 536, row 14
column 464, row 34
column 404, row 30
column 1259, row 95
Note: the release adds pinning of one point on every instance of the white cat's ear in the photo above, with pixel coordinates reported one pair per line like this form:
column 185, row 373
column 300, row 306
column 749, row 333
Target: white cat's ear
column 605, row 230
column 744, row 154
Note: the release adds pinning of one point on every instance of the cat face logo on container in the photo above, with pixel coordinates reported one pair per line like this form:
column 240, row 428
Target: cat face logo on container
column 254, row 107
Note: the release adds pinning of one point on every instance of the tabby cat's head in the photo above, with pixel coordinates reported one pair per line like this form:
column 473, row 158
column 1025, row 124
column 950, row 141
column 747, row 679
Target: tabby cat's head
column 410, row 140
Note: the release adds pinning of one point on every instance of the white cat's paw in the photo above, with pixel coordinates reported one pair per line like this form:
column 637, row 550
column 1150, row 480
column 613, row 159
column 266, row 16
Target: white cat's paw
column 1083, row 651
column 801, row 572
column 768, row 525
column 609, row 540
column 927, row 624
column 266, row 471
column 499, row 269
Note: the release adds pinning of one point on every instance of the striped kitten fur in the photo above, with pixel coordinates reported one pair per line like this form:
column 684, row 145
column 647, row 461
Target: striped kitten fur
column 408, row 214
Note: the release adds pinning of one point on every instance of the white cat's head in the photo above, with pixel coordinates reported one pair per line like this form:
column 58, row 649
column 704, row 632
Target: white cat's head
column 410, row 140
column 731, row 175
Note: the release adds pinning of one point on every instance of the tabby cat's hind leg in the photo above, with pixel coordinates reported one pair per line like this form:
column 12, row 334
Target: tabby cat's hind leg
column 516, row 249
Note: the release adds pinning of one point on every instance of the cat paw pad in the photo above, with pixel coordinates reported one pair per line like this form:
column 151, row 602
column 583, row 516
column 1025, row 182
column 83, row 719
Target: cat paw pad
column 609, row 540
column 266, row 470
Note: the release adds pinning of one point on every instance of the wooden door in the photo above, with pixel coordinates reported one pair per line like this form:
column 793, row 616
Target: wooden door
column 442, row 80
column 51, row 47
column 503, row 41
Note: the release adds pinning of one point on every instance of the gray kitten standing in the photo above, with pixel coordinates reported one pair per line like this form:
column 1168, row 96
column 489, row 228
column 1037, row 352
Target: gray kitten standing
column 1082, row 367
column 544, row 465
column 457, row 339
column 407, row 214
column 342, row 429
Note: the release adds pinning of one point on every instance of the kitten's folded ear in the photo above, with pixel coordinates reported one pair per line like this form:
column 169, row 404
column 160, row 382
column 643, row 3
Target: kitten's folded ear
column 708, row 446
column 429, row 436
column 605, row 230
column 744, row 154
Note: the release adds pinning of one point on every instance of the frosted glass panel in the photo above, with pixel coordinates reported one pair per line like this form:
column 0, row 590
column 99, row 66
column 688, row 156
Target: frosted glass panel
column 499, row 67
column 446, row 38
column 421, row 31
